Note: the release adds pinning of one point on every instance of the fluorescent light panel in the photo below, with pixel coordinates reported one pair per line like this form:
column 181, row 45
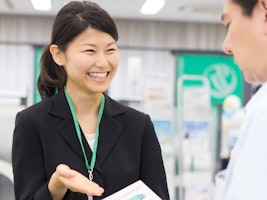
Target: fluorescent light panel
column 43, row 5
column 151, row 7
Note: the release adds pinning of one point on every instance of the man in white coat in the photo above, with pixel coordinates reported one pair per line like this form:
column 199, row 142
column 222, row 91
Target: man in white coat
column 245, row 177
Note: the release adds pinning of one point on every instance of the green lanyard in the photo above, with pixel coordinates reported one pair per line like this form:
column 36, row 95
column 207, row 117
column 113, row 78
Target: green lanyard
column 78, row 131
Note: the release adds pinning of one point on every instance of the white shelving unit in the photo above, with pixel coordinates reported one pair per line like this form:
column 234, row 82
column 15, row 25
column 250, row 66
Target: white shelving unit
column 195, row 156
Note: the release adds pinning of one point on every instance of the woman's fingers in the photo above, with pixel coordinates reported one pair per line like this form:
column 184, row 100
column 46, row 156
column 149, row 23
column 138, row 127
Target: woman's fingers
column 65, row 171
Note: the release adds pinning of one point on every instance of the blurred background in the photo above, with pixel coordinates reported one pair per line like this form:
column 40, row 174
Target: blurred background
column 172, row 67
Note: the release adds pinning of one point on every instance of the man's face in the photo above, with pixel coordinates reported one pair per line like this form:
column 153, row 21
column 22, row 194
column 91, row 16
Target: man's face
column 246, row 39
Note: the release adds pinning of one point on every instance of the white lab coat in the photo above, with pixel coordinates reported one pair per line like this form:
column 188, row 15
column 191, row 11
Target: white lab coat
column 245, row 177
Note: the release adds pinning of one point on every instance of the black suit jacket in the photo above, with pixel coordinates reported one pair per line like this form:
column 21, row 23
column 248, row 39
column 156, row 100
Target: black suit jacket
column 45, row 136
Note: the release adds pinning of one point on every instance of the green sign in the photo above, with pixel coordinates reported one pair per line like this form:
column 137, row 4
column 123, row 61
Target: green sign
column 224, row 76
column 38, row 54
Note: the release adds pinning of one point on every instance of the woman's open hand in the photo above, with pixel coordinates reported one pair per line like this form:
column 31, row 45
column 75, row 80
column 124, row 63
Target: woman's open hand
column 65, row 178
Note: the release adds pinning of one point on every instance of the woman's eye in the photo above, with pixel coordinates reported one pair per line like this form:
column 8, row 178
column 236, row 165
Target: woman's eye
column 90, row 50
column 111, row 50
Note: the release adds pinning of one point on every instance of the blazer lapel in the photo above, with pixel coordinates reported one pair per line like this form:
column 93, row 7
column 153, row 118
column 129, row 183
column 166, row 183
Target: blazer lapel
column 109, row 133
column 60, row 108
column 110, row 129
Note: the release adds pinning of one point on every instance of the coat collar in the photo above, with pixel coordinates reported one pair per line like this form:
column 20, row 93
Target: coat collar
column 110, row 127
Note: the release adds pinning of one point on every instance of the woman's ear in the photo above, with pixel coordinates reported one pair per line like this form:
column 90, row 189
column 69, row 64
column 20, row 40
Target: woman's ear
column 57, row 54
column 263, row 4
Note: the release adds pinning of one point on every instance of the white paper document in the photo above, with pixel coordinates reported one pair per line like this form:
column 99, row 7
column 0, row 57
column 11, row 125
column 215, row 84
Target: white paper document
column 136, row 191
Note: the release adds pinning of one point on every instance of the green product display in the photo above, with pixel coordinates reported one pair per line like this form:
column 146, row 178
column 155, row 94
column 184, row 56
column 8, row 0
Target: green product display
column 224, row 76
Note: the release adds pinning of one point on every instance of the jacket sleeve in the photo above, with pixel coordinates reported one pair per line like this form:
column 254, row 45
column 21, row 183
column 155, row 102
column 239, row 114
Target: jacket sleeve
column 152, row 167
column 30, row 180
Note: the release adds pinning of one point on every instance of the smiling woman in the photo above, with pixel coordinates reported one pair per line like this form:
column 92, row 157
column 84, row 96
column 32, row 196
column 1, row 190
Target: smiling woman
column 92, row 58
column 78, row 143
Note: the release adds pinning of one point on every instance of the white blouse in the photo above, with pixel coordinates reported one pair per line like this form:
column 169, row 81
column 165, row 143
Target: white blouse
column 90, row 139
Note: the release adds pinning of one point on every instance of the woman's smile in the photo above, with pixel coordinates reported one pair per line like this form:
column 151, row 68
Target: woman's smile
column 98, row 75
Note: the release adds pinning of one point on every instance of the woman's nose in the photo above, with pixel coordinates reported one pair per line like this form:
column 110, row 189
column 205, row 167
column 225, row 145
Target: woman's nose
column 101, row 60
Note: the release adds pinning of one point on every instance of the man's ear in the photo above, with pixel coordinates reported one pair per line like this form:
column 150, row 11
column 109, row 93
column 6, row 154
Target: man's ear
column 263, row 7
column 57, row 54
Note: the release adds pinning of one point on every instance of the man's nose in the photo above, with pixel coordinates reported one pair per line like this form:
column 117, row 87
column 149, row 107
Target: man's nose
column 227, row 47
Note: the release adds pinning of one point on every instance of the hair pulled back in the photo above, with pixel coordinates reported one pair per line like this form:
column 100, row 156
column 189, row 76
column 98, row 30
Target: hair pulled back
column 70, row 21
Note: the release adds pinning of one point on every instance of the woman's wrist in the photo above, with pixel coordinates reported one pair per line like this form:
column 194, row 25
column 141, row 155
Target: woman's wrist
column 56, row 188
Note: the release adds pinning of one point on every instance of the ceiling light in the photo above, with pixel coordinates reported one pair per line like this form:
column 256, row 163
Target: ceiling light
column 44, row 5
column 151, row 7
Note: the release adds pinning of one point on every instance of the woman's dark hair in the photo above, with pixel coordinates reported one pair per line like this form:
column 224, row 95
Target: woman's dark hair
column 246, row 5
column 70, row 21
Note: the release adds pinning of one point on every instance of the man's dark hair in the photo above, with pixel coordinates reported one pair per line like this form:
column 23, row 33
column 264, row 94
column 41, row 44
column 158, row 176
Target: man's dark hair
column 246, row 5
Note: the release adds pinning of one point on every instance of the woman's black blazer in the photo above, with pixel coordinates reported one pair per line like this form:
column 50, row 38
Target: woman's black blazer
column 44, row 137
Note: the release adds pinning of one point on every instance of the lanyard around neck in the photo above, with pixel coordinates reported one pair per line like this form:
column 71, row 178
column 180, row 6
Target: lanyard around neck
column 78, row 131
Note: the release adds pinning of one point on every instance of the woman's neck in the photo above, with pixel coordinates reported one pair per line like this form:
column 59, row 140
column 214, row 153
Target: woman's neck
column 85, row 103
column 86, row 108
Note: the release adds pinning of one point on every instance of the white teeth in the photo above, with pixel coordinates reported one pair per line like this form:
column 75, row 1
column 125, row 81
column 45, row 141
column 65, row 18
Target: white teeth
column 97, row 75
